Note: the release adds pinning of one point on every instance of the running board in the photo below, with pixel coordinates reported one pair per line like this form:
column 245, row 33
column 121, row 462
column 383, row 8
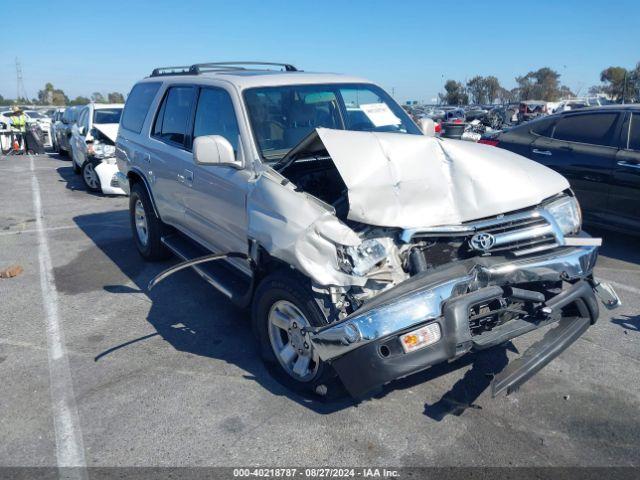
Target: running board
column 232, row 283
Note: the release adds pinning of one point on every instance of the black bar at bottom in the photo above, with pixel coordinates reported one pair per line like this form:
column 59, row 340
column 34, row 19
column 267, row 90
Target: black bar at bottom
column 554, row 342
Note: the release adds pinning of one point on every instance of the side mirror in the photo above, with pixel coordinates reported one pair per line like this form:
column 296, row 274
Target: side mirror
column 214, row 150
column 82, row 131
column 427, row 126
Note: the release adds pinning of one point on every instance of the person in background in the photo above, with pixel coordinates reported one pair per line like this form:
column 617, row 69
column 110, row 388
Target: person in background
column 18, row 126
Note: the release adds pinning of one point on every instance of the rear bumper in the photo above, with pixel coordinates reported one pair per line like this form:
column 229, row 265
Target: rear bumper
column 365, row 349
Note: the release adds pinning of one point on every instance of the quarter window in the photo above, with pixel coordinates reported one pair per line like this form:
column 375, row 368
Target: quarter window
column 634, row 132
column 215, row 116
column 137, row 106
column 596, row 129
column 173, row 118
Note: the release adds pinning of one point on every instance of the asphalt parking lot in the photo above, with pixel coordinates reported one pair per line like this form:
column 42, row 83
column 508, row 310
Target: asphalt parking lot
column 94, row 368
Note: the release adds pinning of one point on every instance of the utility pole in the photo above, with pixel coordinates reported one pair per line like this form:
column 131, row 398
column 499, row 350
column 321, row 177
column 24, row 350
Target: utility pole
column 18, row 78
column 20, row 82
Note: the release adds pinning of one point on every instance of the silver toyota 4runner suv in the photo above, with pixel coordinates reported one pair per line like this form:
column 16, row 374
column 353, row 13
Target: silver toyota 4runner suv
column 365, row 246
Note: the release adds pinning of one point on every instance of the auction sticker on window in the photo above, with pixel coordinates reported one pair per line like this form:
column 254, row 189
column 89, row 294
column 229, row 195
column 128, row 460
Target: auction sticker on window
column 380, row 114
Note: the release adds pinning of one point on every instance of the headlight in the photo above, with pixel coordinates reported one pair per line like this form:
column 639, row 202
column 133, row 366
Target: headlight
column 101, row 150
column 359, row 260
column 566, row 212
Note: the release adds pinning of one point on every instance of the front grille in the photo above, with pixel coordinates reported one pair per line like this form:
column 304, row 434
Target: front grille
column 518, row 234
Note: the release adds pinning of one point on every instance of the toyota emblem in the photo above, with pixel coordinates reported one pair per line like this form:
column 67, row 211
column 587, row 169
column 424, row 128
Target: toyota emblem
column 482, row 241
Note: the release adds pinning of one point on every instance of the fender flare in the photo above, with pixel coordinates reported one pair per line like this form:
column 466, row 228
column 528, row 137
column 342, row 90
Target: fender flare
column 136, row 172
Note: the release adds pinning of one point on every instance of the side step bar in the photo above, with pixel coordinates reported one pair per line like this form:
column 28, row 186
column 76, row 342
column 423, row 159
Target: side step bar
column 229, row 281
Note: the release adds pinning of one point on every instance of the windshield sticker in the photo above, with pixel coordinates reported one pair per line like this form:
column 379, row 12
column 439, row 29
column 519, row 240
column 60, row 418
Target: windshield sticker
column 380, row 114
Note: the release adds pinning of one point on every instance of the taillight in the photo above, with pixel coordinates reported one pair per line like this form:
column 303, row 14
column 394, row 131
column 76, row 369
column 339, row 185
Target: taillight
column 438, row 128
column 489, row 141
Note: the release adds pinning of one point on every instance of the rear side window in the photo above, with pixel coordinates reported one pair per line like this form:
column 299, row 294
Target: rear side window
column 137, row 106
column 173, row 118
column 215, row 116
column 634, row 132
column 596, row 129
column 542, row 127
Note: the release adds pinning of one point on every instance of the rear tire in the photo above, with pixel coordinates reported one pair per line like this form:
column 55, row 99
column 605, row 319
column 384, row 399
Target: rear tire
column 146, row 227
column 283, row 303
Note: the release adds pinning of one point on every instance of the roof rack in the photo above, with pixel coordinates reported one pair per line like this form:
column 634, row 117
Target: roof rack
column 198, row 68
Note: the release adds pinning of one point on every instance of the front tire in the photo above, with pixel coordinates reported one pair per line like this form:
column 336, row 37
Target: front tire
column 90, row 177
column 146, row 227
column 283, row 306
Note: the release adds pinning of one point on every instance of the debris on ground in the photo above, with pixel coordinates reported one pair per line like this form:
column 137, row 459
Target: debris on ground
column 12, row 271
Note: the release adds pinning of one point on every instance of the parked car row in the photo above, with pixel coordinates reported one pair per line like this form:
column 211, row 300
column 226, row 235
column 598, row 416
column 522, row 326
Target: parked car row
column 87, row 134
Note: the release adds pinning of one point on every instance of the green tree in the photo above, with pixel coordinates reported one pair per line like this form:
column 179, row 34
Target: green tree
column 477, row 89
column 616, row 82
column 492, row 86
column 79, row 101
column 541, row 84
column 51, row 96
column 115, row 97
column 97, row 97
column 455, row 93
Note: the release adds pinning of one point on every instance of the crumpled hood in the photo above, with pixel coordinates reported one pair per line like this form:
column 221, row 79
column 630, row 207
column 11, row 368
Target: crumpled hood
column 109, row 129
column 412, row 181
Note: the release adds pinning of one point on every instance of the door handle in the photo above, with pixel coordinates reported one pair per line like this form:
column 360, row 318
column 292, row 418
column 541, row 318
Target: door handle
column 542, row 152
column 624, row 163
column 181, row 178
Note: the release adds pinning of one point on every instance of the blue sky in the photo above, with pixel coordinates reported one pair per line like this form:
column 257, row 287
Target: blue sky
column 407, row 46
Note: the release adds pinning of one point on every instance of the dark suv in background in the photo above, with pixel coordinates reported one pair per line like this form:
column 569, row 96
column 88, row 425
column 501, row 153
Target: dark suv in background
column 597, row 150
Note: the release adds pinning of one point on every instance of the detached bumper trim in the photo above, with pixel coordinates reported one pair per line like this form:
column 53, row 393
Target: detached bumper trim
column 539, row 354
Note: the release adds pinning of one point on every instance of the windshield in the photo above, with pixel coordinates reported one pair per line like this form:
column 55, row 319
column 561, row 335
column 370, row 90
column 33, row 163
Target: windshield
column 282, row 116
column 107, row 115
column 33, row 114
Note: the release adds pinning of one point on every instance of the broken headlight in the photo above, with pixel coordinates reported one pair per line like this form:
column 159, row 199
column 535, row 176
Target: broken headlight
column 102, row 150
column 361, row 259
column 567, row 214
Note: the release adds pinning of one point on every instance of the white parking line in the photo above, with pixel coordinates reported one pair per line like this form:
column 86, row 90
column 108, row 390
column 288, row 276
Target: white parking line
column 69, row 444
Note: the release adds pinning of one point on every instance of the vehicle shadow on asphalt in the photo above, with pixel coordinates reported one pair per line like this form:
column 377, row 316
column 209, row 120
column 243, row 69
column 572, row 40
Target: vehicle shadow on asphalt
column 73, row 181
column 194, row 318
column 187, row 312
column 463, row 394
column 628, row 322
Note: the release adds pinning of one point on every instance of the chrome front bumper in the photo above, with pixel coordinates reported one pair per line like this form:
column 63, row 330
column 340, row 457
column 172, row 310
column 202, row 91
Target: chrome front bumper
column 422, row 297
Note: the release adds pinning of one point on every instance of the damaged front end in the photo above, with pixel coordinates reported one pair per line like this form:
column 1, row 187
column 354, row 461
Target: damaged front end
column 466, row 306
column 386, row 227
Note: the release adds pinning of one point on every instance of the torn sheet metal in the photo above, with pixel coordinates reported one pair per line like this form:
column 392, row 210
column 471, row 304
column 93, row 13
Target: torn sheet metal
column 299, row 229
column 411, row 181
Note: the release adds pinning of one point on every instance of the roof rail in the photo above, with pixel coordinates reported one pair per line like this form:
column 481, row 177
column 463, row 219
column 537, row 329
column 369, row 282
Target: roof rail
column 198, row 68
column 181, row 70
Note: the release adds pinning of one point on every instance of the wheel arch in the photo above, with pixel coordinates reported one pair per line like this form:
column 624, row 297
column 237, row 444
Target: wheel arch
column 135, row 176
